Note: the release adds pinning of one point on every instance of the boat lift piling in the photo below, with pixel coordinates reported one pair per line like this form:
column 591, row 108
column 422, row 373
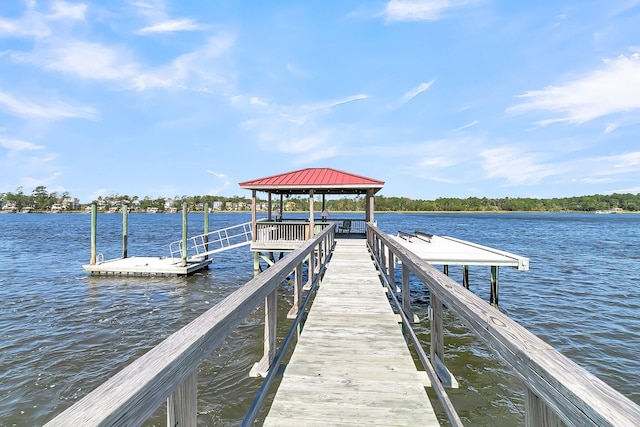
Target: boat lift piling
column 185, row 214
column 94, row 221
column 125, row 229
column 145, row 265
column 206, row 229
column 94, row 232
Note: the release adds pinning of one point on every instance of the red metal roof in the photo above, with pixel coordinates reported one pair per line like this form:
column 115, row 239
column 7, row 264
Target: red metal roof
column 322, row 180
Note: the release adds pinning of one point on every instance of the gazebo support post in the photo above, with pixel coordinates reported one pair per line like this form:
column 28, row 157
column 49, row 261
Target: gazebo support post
column 369, row 206
column 281, row 207
column 311, row 212
column 254, row 226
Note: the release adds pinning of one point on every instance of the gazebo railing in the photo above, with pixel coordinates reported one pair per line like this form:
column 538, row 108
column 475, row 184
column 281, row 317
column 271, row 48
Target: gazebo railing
column 296, row 231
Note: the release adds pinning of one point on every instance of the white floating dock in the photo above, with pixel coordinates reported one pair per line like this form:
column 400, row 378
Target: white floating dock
column 444, row 250
column 147, row 266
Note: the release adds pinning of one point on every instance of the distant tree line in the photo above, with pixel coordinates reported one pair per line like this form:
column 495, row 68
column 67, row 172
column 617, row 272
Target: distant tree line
column 597, row 202
column 38, row 199
column 42, row 200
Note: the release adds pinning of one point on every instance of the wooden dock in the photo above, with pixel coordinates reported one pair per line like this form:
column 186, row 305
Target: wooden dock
column 351, row 365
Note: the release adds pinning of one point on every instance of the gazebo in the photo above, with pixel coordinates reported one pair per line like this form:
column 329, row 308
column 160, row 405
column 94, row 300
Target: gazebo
column 277, row 234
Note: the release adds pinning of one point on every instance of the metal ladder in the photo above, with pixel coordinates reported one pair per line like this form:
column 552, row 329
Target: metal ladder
column 213, row 242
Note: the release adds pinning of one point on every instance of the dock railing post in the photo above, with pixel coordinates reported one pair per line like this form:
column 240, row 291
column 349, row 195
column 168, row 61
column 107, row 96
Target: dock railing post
column 437, row 335
column 537, row 413
column 261, row 368
column 392, row 269
column 406, row 293
column 184, row 234
column 125, row 229
column 182, row 405
column 297, row 292
column 94, row 224
column 311, row 267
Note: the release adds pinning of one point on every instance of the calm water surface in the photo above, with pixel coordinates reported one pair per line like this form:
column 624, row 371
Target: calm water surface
column 63, row 332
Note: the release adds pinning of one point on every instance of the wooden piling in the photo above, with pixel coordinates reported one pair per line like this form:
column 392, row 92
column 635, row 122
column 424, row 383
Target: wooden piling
column 256, row 263
column 184, row 234
column 94, row 224
column 493, row 297
column 125, row 230
column 465, row 276
column 206, row 229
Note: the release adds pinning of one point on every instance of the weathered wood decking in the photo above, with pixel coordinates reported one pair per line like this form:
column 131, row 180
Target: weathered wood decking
column 351, row 365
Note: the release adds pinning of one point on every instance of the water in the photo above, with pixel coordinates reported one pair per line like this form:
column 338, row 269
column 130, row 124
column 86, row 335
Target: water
column 63, row 332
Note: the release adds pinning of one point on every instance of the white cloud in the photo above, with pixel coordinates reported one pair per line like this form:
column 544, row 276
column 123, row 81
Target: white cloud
column 172, row 26
column 334, row 103
column 98, row 62
column 415, row 92
column 53, row 110
column 90, row 61
column 517, row 168
column 36, row 24
column 613, row 89
column 468, row 125
column 30, row 25
column 216, row 174
column 159, row 21
column 630, row 190
column 625, row 161
column 437, row 162
column 421, row 10
column 19, row 145
column 64, row 10
column 204, row 66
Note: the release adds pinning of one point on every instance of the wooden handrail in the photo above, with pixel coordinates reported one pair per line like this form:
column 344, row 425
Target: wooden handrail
column 555, row 385
column 133, row 395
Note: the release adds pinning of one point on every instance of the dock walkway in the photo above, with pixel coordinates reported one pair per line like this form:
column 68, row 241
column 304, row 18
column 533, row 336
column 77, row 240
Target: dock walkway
column 351, row 365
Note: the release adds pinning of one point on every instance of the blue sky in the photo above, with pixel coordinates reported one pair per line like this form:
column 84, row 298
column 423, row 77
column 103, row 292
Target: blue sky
column 438, row 98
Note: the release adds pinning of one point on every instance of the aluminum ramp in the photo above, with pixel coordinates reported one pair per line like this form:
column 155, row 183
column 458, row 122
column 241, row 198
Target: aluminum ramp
column 213, row 242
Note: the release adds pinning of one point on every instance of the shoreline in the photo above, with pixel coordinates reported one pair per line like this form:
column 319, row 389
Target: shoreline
column 339, row 212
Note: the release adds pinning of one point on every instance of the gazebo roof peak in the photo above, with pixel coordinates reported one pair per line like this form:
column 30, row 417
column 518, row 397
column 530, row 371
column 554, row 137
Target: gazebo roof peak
column 321, row 180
